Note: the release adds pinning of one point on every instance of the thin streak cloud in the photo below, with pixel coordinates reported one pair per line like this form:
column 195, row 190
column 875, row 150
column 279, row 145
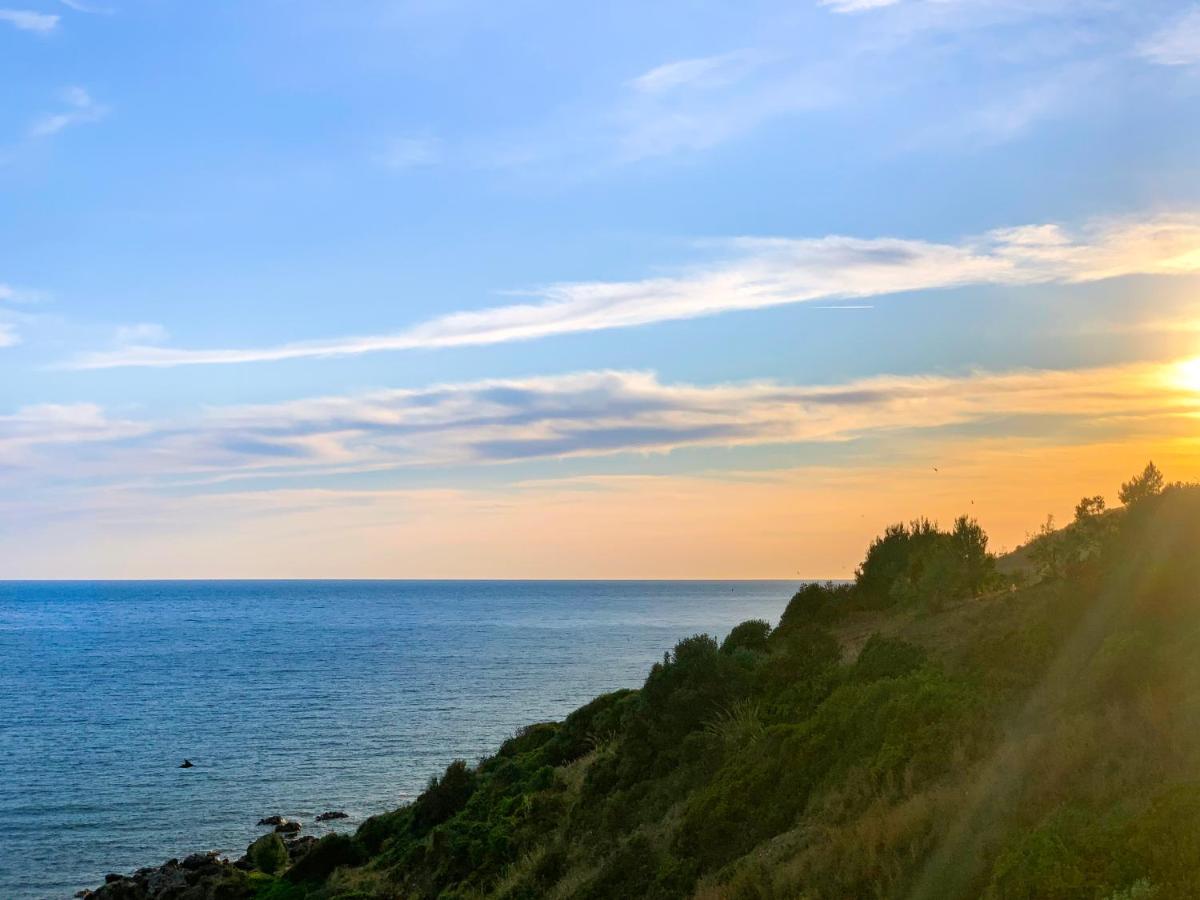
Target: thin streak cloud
column 1178, row 44
column 709, row 71
column 80, row 108
column 29, row 20
column 581, row 414
column 87, row 8
column 758, row 273
column 856, row 6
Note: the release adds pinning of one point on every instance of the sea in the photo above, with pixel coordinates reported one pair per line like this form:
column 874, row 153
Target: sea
column 291, row 698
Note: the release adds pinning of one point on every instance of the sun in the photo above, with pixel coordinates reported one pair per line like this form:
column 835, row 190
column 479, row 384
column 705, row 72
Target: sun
column 1187, row 374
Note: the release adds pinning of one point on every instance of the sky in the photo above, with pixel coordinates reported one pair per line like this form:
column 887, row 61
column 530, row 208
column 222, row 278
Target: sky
column 458, row 289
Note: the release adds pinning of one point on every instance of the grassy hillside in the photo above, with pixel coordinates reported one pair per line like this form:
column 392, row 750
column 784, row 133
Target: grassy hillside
column 937, row 730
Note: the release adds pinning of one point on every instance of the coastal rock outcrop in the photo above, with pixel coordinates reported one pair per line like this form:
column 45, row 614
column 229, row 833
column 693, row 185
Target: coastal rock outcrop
column 209, row 876
column 332, row 814
column 272, row 820
column 201, row 860
column 288, row 826
column 200, row 876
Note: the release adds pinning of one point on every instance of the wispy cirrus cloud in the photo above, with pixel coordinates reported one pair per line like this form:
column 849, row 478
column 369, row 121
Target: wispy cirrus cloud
column 10, row 298
column 35, row 430
column 308, row 480
column 694, row 104
column 681, row 106
column 1177, row 44
column 578, row 415
column 710, row 71
column 11, row 294
column 141, row 333
column 79, row 108
column 87, row 8
column 856, row 6
column 1011, row 114
column 756, row 273
column 911, row 55
column 30, row 20
column 404, row 153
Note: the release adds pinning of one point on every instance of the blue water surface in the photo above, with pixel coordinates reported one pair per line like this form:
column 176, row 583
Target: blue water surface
column 290, row 697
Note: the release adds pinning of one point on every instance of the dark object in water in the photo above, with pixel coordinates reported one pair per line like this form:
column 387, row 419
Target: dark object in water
column 272, row 820
column 187, row 764
column 333, row 814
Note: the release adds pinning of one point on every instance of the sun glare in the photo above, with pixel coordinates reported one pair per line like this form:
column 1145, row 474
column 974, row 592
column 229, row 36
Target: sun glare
column 1187, row 374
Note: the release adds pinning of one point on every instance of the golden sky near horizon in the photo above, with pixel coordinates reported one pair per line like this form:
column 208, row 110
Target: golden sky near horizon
column 630, row 290
column 785, row 522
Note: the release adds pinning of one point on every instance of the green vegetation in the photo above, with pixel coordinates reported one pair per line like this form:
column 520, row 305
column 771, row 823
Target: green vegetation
column 919, row 563
column 1141, row 487
column 934, row 730
column 268, row 854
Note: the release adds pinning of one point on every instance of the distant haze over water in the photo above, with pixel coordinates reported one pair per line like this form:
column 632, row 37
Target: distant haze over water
column 290, row 697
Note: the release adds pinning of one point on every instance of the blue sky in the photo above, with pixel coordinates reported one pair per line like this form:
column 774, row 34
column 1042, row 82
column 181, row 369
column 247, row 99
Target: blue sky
column 326, row 279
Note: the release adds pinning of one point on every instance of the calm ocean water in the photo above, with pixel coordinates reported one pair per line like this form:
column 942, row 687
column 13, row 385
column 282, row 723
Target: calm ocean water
column 290, row 697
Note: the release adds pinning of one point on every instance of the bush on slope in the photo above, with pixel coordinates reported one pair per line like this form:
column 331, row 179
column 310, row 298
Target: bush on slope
column 1032, row 742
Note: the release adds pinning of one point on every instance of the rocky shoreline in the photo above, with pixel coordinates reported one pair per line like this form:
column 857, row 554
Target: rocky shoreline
column 210, row 875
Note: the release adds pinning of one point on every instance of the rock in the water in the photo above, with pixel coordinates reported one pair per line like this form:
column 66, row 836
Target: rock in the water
column 332, row 814
column 272, row 820
column 187, row 764
column 287, row 826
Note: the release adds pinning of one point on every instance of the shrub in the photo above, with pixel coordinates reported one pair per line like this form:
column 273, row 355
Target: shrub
column 739, row 725
column 889, row 561
column 268, row 854
column 1140, row 487
column 799, row 672
column 589, row 726
column 1089, row 508
column 751, row 635
column 324, row 856
column 444, row 797
column 1067, row 855
column 1046, row 550
column 376, row 830
column 529, row 738
column 920, row 563
column 969, row 544
column 638, row 869
column 691, row 682
column 887, row 658
column 1166, row 839
column 815, row 604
